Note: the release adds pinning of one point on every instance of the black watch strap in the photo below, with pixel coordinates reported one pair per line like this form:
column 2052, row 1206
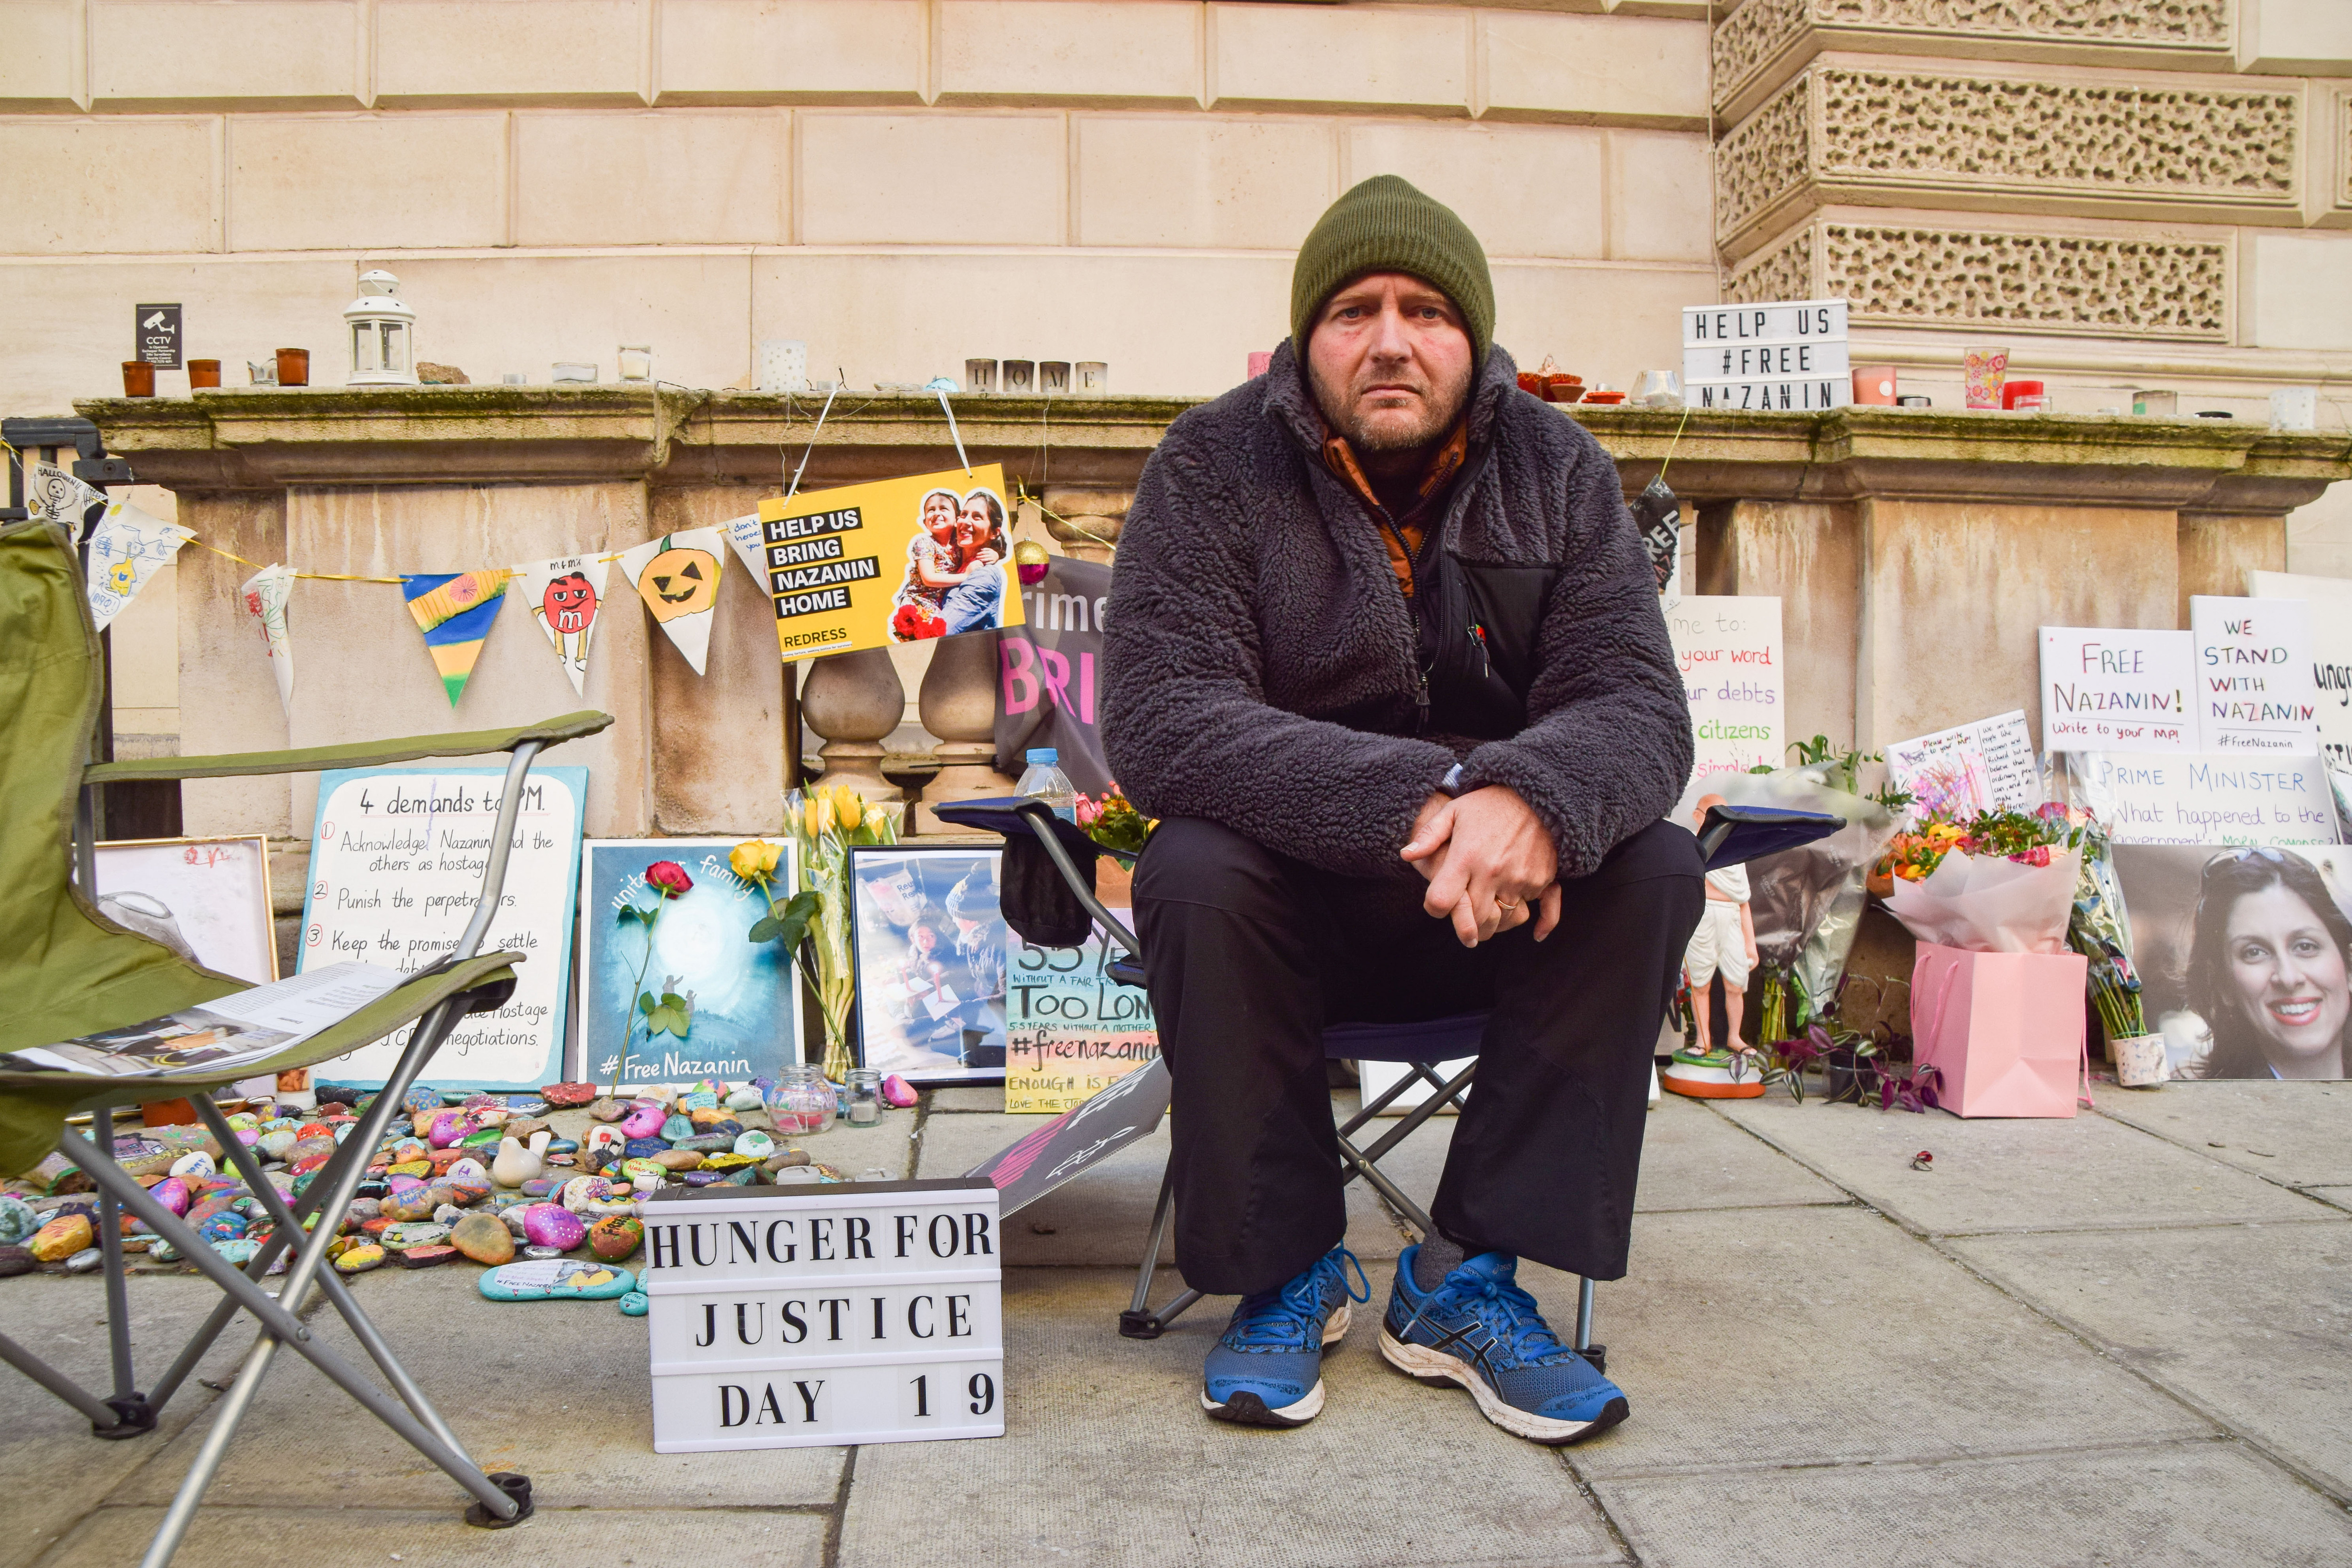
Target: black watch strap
column 1451, row 785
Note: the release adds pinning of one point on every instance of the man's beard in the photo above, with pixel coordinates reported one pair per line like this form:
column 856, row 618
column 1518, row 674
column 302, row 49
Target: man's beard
column 1380, row 432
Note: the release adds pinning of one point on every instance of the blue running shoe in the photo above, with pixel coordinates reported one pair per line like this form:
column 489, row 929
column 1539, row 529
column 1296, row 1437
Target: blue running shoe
column 1267, row 1368
column 1480, row 1331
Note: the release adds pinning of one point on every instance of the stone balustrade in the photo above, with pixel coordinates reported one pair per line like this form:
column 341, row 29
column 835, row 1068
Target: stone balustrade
column 1916, row 552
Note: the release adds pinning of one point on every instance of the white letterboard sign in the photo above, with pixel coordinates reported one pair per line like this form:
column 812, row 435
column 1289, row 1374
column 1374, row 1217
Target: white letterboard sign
column 846, row 1312
column 1790, row 355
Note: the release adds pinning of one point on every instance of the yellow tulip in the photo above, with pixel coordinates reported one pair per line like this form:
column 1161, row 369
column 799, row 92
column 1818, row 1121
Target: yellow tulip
column 753, row 858
column 849, row 807
column 876, row 820
column 815, row 815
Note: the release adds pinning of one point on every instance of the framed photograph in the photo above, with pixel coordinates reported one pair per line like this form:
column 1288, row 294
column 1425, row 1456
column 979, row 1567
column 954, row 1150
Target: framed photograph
column 928, row 941
column 722, row 1006
column 2244, row 956
column 205, row 899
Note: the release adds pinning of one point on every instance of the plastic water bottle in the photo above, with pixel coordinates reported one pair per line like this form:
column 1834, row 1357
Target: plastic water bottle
column 1044, row 780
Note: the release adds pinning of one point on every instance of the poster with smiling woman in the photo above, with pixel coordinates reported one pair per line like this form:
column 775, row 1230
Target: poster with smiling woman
column 2245, row 956
column 672, row 989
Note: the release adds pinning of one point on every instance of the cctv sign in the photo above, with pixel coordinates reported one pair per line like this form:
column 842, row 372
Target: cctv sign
column 845, row 1312
column 155, row 335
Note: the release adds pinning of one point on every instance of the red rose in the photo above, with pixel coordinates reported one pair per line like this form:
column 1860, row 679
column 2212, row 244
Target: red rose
column 670, row 877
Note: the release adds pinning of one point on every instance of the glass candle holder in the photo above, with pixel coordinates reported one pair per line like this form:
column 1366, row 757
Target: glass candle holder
column 801, row 1102
column 865, row 1097
column 636, row 363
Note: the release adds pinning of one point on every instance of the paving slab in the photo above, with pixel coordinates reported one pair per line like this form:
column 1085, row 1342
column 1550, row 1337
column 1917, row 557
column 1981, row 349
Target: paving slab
column 1998, row 1174
column 960, row 1099
column 2253, row 1324
column 1108, row 1459
column 1105, row 1216
column 558, row 1390
column 240, row 1537
column 1796, row 1336
column 2152, row 1507
column 1691, row 1159
column 51, row 1470
column 2299, row 1133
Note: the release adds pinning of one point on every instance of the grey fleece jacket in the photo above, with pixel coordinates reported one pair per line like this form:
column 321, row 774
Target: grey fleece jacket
column 1260, row 668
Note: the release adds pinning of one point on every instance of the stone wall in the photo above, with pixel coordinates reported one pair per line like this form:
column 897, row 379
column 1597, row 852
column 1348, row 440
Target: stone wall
column 2124, row 192
column 901, row 184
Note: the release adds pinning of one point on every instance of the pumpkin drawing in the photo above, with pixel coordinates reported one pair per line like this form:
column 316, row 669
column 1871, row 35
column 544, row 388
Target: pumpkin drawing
column 679, row 582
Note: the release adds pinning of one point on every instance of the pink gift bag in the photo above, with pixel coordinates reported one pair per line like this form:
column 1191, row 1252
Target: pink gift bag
column 2005, row 1030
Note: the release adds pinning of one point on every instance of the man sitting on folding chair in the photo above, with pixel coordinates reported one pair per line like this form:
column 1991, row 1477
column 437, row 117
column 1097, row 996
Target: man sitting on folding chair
column 1385, row 655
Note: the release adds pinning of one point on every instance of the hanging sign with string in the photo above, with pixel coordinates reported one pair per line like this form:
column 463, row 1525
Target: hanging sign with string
column 897, row 560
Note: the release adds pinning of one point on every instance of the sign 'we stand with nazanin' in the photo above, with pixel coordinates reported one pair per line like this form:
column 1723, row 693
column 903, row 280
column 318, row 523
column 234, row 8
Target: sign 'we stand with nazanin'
column 847, row 1312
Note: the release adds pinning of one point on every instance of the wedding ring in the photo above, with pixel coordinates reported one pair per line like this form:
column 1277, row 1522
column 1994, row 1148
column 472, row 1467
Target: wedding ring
column 1502, row 903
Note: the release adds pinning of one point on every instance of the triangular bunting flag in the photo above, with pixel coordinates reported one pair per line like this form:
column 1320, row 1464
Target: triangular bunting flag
column 266, row 594
column 454, row 610
column 749, row 544
column 565, row 596
column 57, row 495
column 126, row 548
column 677, row 577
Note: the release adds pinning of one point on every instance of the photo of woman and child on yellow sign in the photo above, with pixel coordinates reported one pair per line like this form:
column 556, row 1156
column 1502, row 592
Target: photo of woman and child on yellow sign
column 897, row 561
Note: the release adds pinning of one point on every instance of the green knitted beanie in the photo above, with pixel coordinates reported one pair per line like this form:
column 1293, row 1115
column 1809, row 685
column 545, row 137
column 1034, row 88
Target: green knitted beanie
column 1386, row 225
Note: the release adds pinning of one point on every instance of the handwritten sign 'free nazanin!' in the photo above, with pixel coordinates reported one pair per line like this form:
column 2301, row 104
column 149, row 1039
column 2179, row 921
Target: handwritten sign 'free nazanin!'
column 846, row 1312
column 2117, row 689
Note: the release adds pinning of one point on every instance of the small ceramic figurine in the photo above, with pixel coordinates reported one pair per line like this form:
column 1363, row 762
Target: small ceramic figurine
column 1723, row 946
column 516, row 1164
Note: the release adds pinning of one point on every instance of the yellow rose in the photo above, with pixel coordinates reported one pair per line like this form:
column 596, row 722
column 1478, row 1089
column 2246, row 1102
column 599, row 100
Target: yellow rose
column 753, row 858
column 849, row 807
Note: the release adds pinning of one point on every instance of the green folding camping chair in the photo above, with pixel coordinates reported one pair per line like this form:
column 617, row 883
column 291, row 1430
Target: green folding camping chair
column 67, row 971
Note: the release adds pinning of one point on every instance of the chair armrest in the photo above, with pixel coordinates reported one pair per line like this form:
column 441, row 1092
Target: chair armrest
column 357, row 754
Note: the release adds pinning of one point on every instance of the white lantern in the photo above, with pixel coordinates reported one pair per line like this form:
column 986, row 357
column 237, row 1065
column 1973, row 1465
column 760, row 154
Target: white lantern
column 382, row 334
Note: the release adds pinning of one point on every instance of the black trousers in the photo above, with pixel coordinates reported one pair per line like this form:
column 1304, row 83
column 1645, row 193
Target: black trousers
column 1251, row 954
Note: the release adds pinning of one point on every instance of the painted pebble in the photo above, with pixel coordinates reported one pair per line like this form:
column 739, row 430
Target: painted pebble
column 484, row 1238
column 557, row 1279
column 360, row 1259
column 61, row 1238
column 552, row 1225
column 615, row 1238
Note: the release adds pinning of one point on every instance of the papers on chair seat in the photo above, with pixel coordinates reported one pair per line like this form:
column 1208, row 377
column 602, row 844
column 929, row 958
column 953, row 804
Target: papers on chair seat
column 220, row 1036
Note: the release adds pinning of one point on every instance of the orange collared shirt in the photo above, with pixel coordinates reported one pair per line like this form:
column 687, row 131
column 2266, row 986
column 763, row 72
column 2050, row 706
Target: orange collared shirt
column 1410, row 528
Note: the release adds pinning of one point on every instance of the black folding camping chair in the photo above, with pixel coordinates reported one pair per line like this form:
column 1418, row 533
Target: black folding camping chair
column 1730, row 835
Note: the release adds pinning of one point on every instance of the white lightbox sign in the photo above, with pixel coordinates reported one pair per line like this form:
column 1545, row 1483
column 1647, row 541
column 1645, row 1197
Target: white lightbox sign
column 822, row 1314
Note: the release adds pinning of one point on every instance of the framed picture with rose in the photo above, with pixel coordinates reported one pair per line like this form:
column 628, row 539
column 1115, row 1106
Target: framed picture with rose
column 672, row 989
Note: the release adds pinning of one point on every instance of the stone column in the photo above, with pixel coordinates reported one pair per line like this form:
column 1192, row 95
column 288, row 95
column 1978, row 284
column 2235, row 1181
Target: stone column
column 2218, row 548
column 958, row 704
column 855, row 701
column 1085, row 522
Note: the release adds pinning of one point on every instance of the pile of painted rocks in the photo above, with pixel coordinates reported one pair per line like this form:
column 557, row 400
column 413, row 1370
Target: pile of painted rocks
column 479, row 1176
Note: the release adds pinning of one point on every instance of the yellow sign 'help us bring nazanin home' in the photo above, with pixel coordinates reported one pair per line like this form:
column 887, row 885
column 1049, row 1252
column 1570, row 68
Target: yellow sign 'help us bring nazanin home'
column 897, row 560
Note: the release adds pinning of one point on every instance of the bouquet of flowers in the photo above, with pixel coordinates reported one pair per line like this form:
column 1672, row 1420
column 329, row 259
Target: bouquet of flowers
column 1807, row 902
column 2100, row 930
column 2001, row 881
column 825, row 823
column 1113, row 822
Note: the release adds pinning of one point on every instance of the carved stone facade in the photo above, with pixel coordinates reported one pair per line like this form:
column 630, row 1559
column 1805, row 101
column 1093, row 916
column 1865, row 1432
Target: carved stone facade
column 1864, row 133
column 1909, row 275
column 1760, row 32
